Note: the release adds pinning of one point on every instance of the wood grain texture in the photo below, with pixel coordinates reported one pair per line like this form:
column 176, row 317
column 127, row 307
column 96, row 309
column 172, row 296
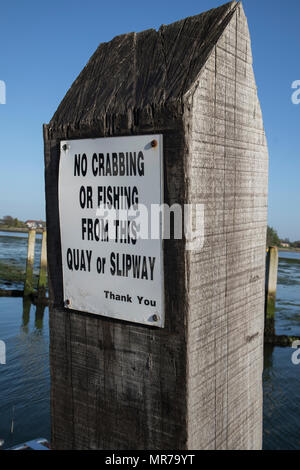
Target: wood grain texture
column 197, row 382
column 128, row 77
column 228, row 173
column 116, row 384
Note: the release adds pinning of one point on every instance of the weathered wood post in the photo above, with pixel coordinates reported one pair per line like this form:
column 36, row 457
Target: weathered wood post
column 271, row 287
column 42, row 284
column 29, row 281
column 188, row 376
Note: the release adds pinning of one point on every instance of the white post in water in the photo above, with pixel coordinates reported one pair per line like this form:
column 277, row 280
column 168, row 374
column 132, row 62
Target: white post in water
column 43, row 268
column 28, row 287
column 271, row 287
column 272, row 264
column 2, row 353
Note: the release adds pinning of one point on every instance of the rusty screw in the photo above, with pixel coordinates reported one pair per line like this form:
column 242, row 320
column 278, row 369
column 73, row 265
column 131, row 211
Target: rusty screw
column 154, row 143
column 67, row 303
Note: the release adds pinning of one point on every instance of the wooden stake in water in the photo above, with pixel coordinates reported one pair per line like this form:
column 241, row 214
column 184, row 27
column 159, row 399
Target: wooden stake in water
column 12, row 425
column 43, row 268
column 29, row 287
column 271, row 287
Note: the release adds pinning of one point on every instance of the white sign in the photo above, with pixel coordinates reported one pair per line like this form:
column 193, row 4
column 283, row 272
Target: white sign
column 110, row 268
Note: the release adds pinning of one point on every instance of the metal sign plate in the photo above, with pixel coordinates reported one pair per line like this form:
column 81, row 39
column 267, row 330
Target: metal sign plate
column 111, row 266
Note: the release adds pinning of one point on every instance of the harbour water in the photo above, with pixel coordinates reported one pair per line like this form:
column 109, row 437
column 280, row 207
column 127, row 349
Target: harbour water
column 25, row 383
column 24, row 379
column 13, row 252
column 281, row 377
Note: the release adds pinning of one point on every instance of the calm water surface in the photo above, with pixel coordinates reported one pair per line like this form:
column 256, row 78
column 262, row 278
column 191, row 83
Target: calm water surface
column 24, row 380
column 13, row 251
column 281, row 377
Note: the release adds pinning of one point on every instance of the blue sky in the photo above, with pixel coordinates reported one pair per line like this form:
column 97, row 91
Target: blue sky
column 44, row 46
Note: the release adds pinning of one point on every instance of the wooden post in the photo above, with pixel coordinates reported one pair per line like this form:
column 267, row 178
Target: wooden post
column 271, row 287
column 42, row 285
column 29, row 281
column 197, row 382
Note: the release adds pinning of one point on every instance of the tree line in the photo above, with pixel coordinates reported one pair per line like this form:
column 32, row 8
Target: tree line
column 273, row 239
column 9, row 221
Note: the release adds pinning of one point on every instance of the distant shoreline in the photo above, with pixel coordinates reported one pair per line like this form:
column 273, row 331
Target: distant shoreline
column 18, row 230
column 296, row 250
column 38, row 230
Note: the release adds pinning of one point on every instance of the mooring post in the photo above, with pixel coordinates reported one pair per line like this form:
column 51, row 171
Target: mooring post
column 42, row 284
column 271, row 288
column 29, row 282
column 170, row 355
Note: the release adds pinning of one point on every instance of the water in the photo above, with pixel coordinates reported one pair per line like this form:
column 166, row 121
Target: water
column 13, row 251
column 24, row 380
column 281, row 377
column 281, row 400
column 288, row 295
column 25, row 384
